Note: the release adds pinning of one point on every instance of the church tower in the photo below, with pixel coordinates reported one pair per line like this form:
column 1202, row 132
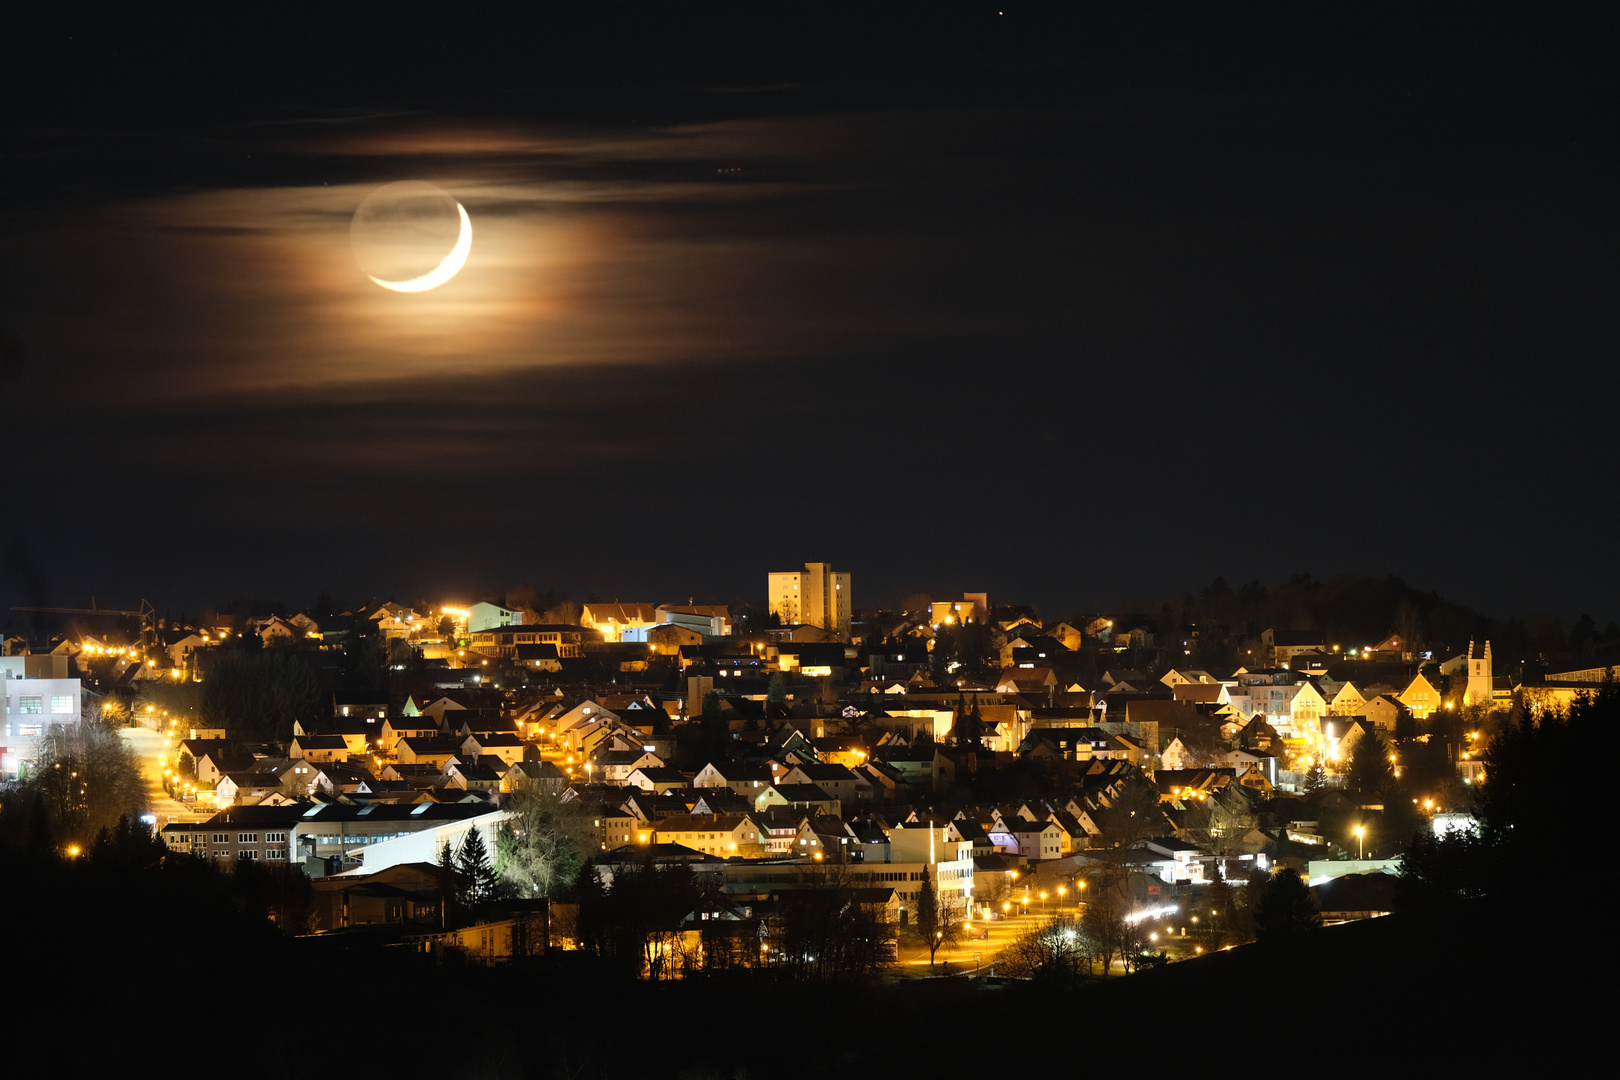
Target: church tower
column 1479, row 674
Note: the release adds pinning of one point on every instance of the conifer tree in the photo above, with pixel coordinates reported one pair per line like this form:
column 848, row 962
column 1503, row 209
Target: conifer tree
column 475, row 877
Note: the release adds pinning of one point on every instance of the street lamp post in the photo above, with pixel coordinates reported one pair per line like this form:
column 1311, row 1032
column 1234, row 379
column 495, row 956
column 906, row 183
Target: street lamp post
column 1360, row 848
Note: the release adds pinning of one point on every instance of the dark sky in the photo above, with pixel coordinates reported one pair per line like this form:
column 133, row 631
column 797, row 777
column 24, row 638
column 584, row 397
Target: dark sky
column 1077, row 308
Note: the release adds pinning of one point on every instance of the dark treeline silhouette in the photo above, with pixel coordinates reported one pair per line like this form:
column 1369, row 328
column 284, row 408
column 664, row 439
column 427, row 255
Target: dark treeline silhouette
column 1535, row 810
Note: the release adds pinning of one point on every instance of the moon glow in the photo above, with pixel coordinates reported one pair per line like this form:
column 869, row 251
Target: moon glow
column 410, row 236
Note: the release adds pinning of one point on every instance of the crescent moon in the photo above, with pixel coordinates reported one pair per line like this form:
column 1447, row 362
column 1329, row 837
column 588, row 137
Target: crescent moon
column 446, row 269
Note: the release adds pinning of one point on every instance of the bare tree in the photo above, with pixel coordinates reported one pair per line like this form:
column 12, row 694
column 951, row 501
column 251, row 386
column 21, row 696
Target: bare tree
column 563, row 612
column 540, row 849
column 87, row 778
column 1050, row 953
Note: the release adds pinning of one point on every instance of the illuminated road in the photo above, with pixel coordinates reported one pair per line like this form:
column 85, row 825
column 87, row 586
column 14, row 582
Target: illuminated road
column 149, row 747
column 1000, row 933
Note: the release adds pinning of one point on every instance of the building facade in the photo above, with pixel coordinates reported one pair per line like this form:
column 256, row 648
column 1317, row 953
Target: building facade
column 815, row 596
column 31, row 704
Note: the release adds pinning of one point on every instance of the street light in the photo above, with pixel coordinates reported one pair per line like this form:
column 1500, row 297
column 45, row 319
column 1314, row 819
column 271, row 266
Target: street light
column 1360, row 850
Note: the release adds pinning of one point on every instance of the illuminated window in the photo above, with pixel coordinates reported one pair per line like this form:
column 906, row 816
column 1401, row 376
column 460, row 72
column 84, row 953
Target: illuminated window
column 62, row 704
column 31, row 703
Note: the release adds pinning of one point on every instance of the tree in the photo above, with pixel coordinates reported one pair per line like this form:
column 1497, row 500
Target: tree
column 449, row 892
column 128, row 845
column 539, row 850
column 1525, row 806
column 1110, row 931
column 1217, row 910
column 1133, row 812
column 590, row 924
column 936, row 922
column 86, row 779
column 562, row 613
column 715, row 731
column 258, row 696
column 1315, row 778
column 776, row 690
column 1370, row 771
column 1051, row 953
column 1286, row 908
column 637, row 921
column 475, row 879
column 970, row 732
column 825, row 931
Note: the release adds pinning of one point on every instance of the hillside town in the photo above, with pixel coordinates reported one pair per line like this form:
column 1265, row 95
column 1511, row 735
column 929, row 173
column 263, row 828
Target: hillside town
column 481, row 779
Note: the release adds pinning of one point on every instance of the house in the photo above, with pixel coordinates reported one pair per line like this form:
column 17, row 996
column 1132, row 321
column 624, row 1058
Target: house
column 213, row 758
column 397, row 620
column 402, row 895
column 508, row 747
column 620, row 622
column 475, row 775
column 393, row 730
column 1382, row 711
column 921, row 767
column 657, row 779
column 743, row 779
column 1420, row 697
column 836, row 780
column 724, row 835
column 1177, row 756
column 797, row 797
column 1282, row 645
column 541, row 777
column 331, row 779
column 1171, row 859
column 537, row 657
column 487, row 616
column 432, row 751
column 318, row 748
column 1034, row 681
column 1033, row 840
column 1348, row 701
column 275, row 631
column 245, row 788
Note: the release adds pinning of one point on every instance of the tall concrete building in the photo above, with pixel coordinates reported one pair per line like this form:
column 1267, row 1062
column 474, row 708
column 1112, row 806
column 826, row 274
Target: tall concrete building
column 814, row 597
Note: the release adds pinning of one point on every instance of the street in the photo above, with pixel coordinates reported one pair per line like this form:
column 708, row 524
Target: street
column 150, row 747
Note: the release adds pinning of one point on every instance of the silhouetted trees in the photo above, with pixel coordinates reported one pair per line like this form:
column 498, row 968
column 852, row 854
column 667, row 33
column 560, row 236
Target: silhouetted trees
column 257, row 696
column 1370, row 772
column 1531, row 809
column 827, row 929
column 85, row 780
column 1051, row 953
column 1134, row 813
column 634, row 923
column 1286, row 908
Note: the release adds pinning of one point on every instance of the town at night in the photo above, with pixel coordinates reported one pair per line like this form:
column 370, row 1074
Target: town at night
column 722, row 541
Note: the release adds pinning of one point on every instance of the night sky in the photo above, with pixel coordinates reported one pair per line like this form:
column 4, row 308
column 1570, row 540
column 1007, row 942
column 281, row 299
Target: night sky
column 1078, row 308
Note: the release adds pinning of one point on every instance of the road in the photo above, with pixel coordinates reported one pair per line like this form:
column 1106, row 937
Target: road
column 149, row 747
column 1001, row 932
